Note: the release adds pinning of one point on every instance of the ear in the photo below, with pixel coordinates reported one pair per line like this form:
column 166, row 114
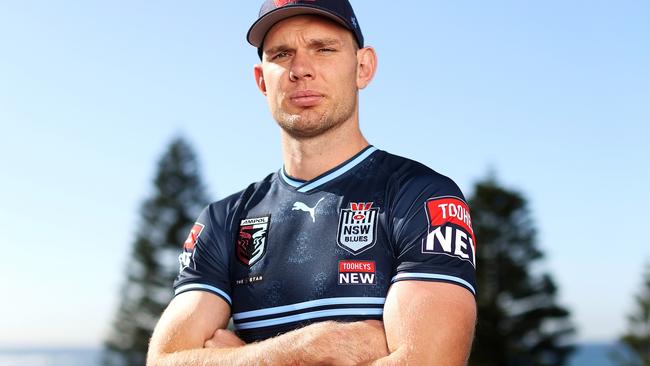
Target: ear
column 259, row 78
column 366, row 66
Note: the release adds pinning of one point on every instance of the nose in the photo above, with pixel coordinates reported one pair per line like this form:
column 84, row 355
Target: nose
column 301, row 67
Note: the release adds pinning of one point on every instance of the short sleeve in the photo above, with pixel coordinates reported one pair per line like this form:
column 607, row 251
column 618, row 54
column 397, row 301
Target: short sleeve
column 204, row 261
column 432, row 232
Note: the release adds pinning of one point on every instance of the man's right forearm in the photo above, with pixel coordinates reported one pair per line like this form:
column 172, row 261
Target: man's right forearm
column 321, row 343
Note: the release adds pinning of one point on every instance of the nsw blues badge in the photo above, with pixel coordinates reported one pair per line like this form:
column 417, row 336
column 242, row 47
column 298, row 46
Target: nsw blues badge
column 357, row 230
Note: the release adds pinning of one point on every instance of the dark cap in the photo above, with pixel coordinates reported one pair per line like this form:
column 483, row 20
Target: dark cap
column 273, row 11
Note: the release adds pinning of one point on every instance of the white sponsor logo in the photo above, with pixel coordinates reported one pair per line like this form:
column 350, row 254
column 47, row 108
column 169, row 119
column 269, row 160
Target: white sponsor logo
column 303, row 207
column 356, row 278
column 450, row 241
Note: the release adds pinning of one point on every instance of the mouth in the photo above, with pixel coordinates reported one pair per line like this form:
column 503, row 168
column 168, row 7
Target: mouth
column 306, row 98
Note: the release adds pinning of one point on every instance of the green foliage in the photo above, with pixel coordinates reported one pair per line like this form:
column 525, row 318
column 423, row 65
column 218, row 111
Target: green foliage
column 165, row 221
column 519, row 321
column 636, row 341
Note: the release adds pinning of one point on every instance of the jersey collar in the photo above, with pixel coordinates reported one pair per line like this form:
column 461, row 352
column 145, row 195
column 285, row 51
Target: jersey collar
column 306, row 186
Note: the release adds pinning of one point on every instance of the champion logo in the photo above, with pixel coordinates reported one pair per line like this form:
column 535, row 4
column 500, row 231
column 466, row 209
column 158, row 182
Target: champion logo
column 300, row 206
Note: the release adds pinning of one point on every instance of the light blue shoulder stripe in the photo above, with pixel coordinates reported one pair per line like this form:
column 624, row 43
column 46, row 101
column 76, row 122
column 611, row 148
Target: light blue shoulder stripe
column 310, row 304
column 200, row 286
column 338, row 172
column 408, row 276
column 310, row 315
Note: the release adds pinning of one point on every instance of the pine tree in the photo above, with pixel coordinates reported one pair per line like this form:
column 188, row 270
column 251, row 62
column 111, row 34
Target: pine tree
column 166, row 219
column 519, row 321
column 636, row 342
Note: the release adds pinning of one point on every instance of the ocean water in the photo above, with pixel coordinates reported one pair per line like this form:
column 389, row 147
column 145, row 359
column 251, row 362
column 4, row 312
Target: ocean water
column 585, row 355
column 50, row 357
column 593, row 355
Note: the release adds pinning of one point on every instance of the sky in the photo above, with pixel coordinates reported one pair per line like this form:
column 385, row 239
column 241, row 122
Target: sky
column 552, row 96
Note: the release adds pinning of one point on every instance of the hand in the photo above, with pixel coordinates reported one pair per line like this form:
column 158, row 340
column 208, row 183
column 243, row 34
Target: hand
column 223, row 338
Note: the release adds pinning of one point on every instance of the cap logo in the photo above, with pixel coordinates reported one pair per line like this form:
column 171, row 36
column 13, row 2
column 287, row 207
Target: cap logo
column 281, row 3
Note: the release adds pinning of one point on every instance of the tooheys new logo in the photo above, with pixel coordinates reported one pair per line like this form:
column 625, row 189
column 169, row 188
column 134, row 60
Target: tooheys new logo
column 357, row 273
column 450, row 229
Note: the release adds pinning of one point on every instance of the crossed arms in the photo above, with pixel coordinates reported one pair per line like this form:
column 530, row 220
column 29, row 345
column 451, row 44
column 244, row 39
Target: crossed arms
column 424, row 323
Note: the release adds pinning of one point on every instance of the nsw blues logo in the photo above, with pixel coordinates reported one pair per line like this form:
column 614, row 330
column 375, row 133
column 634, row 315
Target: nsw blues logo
column 358, row 227
column 252, row 239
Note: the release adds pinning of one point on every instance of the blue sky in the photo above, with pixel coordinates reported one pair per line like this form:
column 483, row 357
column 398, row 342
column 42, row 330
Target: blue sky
column 554, row 96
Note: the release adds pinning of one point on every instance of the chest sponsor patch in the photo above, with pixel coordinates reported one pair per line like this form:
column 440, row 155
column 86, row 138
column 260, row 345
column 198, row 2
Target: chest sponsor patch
column 252, row 239
column 357, row 273
column 357, row 230
column 185, row 257
column 450, row 229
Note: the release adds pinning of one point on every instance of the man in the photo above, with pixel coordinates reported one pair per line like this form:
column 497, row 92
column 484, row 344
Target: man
column 348, row 255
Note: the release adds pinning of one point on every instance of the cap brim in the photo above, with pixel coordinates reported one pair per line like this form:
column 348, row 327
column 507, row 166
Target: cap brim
column 258, row 30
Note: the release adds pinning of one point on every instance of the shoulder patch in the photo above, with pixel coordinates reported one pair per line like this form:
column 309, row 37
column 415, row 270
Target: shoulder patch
column 185, row 257
column 450, row 229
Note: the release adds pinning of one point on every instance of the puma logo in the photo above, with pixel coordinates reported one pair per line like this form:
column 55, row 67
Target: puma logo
column 303, row 207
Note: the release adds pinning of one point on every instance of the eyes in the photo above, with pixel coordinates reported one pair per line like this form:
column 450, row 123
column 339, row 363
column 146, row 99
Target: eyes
column 285, row 53
column 279, row 55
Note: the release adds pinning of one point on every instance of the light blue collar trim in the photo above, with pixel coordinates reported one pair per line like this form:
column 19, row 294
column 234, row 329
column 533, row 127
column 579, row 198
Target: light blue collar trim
column 291, row 182
column 308, row 186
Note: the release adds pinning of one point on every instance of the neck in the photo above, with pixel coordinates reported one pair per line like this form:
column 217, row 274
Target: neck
column 308, row 158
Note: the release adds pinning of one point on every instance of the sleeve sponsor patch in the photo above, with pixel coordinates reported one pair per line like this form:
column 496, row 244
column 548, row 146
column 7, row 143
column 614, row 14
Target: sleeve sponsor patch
column 188, row 247
column 193, row 236
column 450, row 229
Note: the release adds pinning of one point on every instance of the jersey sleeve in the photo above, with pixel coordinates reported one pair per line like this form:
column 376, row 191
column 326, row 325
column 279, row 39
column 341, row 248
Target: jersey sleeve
column 432, row 232
column 204, row 261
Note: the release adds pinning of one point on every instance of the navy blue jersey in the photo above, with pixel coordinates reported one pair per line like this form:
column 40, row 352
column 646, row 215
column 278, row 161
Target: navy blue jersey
column 285, row 253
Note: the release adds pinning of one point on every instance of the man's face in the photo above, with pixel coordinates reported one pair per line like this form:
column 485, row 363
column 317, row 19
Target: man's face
column 309, row 75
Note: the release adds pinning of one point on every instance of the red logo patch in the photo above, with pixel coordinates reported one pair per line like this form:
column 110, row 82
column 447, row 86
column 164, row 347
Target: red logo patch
column 357, row 273
column 452, row 210
column 450, row 230
column 357, row 266
column 281, row 3
column 193, row 236
column 360, row 209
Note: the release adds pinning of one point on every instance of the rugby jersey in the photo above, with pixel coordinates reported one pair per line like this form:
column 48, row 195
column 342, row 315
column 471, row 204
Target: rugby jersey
column 285, row 252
